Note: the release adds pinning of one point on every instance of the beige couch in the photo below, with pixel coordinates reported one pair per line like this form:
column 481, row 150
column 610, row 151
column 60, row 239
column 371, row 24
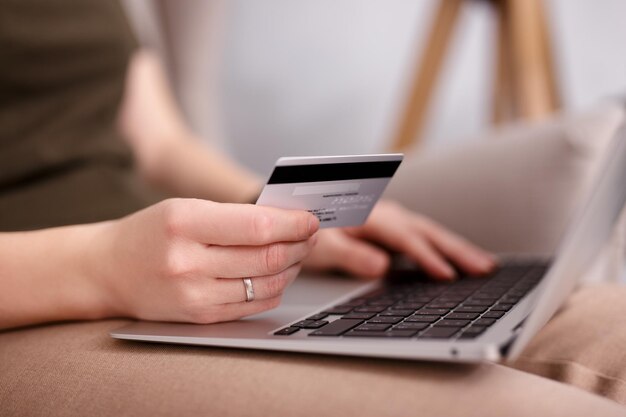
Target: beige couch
column 511, row 191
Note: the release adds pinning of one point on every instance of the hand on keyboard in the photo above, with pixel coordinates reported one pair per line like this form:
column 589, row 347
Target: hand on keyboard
column 427, row 243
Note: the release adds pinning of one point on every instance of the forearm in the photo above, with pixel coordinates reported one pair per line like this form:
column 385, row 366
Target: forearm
column 166, row 151
column 188, row 168
column 50, row 275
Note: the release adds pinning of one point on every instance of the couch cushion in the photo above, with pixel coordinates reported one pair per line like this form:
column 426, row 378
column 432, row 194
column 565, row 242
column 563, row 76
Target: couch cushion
column 76, row 369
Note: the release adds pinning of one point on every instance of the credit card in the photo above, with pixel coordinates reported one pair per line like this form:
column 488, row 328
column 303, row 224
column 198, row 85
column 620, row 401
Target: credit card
column 340, row 190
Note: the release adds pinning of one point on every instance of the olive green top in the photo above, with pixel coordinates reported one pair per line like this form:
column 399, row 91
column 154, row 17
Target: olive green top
column 62, row 73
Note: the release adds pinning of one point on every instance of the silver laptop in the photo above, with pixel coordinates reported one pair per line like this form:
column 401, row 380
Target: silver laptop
column 409, row 316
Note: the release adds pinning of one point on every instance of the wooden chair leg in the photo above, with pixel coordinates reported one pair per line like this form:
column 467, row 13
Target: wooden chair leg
column 546, row 45
column 412, row 120
column 524, row 84
column 503, row 103
column 531, row 79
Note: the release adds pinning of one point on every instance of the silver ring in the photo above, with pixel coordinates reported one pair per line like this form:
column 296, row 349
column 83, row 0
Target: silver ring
column 247, row 283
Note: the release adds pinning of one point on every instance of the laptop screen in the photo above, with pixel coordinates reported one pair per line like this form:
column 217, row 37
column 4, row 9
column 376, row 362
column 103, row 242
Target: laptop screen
column 584, row 239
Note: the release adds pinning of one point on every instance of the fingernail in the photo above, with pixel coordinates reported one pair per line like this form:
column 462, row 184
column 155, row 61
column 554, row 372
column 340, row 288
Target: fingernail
column 448, row 272
column 313, row 224
column 486, row 263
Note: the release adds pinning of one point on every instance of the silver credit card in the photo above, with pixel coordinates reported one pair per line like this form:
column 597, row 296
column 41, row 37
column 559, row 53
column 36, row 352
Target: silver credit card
column 340, row 190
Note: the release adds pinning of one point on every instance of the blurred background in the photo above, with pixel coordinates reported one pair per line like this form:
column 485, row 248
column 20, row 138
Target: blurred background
column 291, row 77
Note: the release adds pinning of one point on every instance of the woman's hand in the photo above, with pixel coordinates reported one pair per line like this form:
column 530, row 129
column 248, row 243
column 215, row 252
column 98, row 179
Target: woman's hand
column 184, row 259
column 430, row 245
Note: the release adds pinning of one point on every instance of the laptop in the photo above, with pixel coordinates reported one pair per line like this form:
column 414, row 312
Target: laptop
column 408, row 316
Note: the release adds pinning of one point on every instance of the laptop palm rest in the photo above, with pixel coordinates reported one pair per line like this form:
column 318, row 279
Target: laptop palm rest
column 307, row 293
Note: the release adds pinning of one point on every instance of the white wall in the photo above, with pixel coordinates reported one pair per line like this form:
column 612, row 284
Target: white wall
column 303, row 78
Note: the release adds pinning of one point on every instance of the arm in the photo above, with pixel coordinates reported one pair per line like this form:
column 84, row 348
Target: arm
column 167, row 153
column 44, row 276
column 171, row 157
column 173, row 261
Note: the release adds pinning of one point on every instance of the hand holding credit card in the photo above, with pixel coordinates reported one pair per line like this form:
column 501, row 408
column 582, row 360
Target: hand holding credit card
column 340, row 190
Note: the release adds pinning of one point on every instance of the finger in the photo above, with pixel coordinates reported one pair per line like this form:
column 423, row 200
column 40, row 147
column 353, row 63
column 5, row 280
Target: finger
column 398, row 236
column 254, row 261
column 270, row 286
column 236, row 311
column 351, row 255
column 238, row 224
column 462, row 253
column 428, row 258
column 232, row 311
column 362, row 259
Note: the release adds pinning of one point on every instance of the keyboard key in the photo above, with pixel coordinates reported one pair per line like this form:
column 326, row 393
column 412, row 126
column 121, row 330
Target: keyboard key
column 452, row 323
column 487, row 295
column 422, row 319
column 494, row 314
column 370, row 309
column 339, row 310
column 355, row 302
column 356, row 333
column 510, row 299
column 382, row 303
column 286, row 331
column 316, row 324
column 450, row 299
column 318, row 316
column 441, row 304
column 375, row 293
column 439, row 332
column 302, row 323
column 478, row 303
column 385, row 319
column 502, row 307
column 400, row 333
column 366, row 327
column 409, row 306
column 464, row 286
column 390, row 333
column 396, row 313
column 410, row 326
column 309, row 324
column 337, row 327
column 472, row 332
column 420, row 299
column 363, row 316
column 462, row 316
column 470, row 309
column 433, row 311
column 484, row 322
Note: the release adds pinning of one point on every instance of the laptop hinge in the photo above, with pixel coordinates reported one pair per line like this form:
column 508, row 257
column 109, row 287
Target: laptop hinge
column 504, row 349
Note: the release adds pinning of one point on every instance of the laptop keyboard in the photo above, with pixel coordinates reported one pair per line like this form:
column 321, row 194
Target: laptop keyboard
column 409, row 305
